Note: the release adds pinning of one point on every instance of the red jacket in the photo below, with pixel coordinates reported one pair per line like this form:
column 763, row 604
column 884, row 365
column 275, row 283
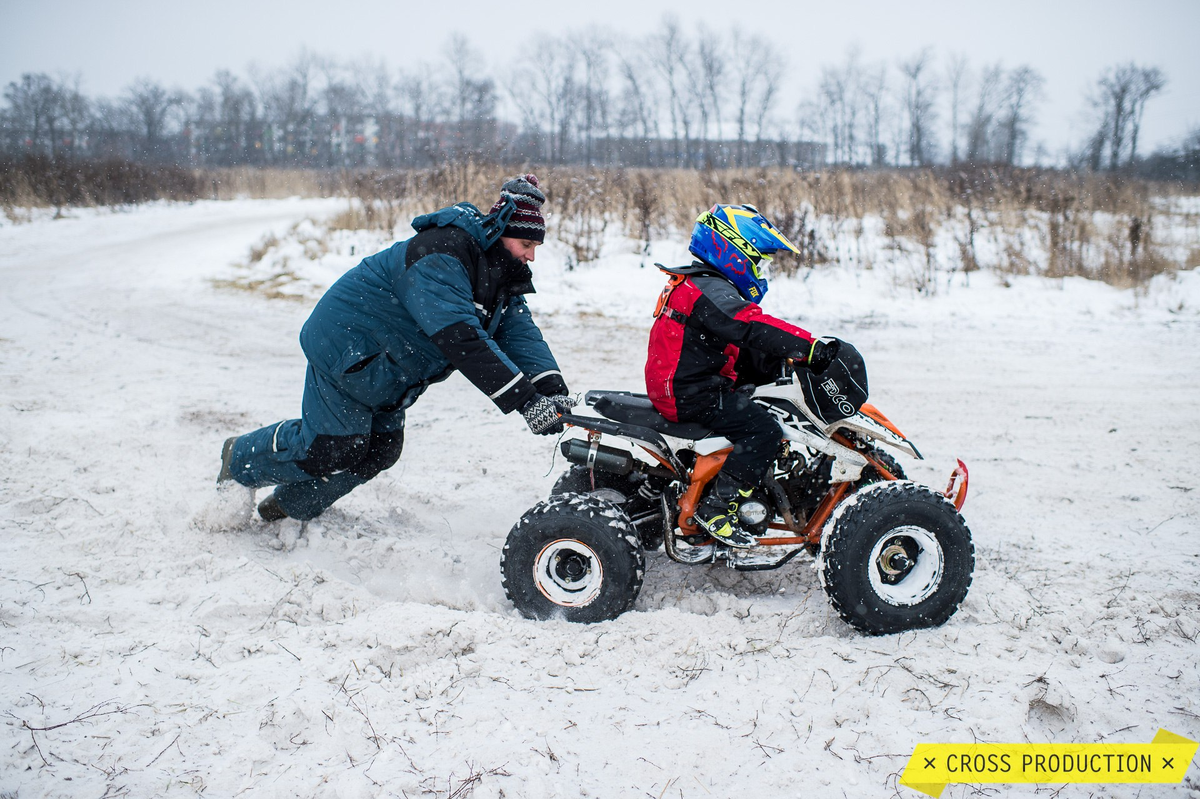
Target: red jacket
column 704, row 335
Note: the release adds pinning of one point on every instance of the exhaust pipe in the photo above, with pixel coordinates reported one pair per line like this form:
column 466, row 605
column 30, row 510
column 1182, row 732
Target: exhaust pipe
column 594, row 456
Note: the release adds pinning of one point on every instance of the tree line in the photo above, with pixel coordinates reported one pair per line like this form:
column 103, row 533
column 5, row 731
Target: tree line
column 674, row 98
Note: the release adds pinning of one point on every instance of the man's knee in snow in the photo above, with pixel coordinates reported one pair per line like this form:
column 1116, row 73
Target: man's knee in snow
column 383, row 452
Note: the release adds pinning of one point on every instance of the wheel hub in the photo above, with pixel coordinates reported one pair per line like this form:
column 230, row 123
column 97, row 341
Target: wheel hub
column 570, row 567
column 568, row 572
column 906, row 565
column 897, row 559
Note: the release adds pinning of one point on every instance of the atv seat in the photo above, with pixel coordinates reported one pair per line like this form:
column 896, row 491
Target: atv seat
column 630, row 408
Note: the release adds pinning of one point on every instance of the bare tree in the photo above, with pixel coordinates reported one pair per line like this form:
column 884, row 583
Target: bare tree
column 709, row 83
column 380, row 127
column 421, row 104
column 695, row 97
column 472, row 99
column 464, row 62
column 529, row 105
column 108, row 128
column 594, row 48
column 342, row 101
column 341, row 93
column 36, row 112
column 1118, row 103
column 1118, row 88
column 236, row 118
column 290, row 106
column 770, row 74
column 956, row 74
column 638, row 96
column 1151, row 82
column 377, row 85
column 670, row 54
column 151, row 104
column 548, row 90
column 830, row 106
column 874, row 98
column 1023, row 88
column 676, row 91
column 840, row 98
column 1093, row 150
column 899, row 131
column 814, row 123
column 756, row 69
column 745, row 68
column 980, row 130
column 920, row 95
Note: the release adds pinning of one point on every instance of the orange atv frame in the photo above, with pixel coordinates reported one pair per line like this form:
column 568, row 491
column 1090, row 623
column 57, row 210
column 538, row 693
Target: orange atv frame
column 808, row 533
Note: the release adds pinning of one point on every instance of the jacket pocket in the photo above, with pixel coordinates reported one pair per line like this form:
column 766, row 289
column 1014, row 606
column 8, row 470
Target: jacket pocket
column 363, row 364
column 375, row 381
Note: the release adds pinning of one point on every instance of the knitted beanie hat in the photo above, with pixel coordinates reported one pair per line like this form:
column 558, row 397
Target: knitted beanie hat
column 527, row 221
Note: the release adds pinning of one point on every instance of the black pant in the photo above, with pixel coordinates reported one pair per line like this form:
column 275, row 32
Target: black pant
column 753, row 430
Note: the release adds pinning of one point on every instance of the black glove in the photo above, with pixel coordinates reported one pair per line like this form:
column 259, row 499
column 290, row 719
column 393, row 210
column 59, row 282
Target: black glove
column 564, row 402
column 822, row 354
column 543, row 416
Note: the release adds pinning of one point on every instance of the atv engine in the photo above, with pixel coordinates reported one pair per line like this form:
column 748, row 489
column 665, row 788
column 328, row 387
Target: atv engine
column 755, row 513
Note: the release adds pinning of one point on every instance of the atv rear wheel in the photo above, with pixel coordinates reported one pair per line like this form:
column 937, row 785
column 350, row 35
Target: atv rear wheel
column 573, row 556
column 628, row 491
column 897, row 556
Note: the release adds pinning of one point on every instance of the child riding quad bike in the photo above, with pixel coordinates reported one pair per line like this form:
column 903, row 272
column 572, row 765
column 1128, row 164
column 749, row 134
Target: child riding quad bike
column 754, row 444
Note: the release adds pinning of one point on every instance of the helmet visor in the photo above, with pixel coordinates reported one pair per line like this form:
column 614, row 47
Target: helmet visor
column 777, row 241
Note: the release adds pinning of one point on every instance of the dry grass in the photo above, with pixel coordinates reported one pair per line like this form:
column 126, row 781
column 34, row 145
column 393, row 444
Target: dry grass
column 41, row 182
column 229, row 184
column 382, row 200
column 1032, row 221
column 271, row 287
column 258, row 251
column 580, row 207
column 1013, row 221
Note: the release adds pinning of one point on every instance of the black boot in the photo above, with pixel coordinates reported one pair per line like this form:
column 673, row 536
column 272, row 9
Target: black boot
column 226, row 459
column 270, row 511
column 717, row 513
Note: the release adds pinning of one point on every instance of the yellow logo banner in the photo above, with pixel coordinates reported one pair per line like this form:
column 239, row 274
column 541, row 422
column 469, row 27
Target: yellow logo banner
column 934, row 766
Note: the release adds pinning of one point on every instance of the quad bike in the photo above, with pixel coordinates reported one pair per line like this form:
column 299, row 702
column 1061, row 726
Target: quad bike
column 892, row 555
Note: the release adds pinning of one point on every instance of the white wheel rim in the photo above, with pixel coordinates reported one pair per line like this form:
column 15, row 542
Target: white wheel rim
column 568, row 573
column 922, row 580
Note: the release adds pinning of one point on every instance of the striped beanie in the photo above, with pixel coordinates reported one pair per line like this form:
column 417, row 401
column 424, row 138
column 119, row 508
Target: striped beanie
column 527, row 221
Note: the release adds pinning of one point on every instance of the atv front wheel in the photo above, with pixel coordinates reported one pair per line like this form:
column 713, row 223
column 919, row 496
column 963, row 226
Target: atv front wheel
column 897, row 556
column 573, row 556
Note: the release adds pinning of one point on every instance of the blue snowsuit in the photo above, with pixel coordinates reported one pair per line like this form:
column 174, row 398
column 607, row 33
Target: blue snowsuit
column 403, row 319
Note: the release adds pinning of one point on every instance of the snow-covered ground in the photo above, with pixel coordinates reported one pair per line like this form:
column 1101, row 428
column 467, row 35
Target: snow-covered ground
column 147, row 648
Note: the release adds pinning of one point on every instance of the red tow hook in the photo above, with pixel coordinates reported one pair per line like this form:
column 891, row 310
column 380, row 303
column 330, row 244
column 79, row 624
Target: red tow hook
column 959, row 477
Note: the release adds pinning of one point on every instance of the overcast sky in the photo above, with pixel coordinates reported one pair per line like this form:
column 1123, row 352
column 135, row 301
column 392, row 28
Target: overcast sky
column 108, row 43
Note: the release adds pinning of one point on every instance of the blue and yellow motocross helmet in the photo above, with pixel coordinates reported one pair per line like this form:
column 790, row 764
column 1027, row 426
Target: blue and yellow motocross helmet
column 738, row 242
